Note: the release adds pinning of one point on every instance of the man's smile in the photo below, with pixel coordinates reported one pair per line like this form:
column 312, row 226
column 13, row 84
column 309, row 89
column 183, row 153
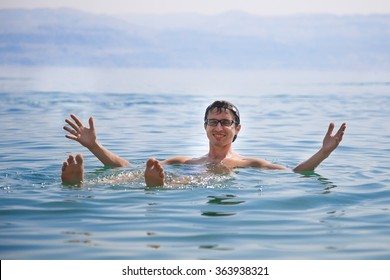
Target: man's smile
column 219, row 135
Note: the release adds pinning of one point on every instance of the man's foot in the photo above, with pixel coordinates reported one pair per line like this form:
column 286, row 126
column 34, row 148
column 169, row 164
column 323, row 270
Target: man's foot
column 154, row 173
column 73, row 170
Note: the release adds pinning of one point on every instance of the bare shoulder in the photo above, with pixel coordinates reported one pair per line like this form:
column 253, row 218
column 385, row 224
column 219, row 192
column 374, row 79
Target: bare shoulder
column 178, row 160
column 261, row 163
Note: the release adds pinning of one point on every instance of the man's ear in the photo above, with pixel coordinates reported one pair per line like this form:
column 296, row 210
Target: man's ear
column 238, row 128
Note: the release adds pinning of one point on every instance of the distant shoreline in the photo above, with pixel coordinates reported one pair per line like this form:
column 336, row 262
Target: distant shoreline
column 233, row 40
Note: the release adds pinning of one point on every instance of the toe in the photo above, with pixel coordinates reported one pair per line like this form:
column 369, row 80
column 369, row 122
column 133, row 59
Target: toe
column 79, row 159
column 162, row 174
column 64, row 165
column 150, row 163
column 70, row 159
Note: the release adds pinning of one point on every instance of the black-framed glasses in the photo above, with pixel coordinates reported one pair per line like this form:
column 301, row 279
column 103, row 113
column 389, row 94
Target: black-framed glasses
column 214, row 122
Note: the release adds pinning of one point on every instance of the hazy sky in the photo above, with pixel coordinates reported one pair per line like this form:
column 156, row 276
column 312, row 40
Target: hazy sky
column 260, row 7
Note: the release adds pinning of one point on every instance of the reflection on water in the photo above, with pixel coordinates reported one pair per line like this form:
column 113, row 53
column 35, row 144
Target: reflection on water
column 329, row 185
column 216, row 214
column 86, row 241
column 225, row 200
column 216, row 247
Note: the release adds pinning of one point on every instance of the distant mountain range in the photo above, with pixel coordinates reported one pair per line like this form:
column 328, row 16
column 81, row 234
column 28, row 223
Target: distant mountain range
column 237, row 40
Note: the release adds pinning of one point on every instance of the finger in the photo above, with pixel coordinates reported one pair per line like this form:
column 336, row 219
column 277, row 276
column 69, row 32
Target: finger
column 72, row 137
column 330, row 129
column 77, row 121
column 75, row 127
column 341, row 129
column 340, row 132
column 343, row 125
column 91, row 125
column 74, row 132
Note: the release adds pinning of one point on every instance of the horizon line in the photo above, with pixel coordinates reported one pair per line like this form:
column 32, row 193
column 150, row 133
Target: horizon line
column 195, row 12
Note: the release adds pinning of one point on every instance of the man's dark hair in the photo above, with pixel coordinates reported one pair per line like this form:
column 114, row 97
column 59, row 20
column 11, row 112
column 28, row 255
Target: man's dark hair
column 226, row 105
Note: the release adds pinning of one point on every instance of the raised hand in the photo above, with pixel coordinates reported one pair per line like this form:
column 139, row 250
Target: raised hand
column 78, row 132
column 330, row 141
column 329, row 144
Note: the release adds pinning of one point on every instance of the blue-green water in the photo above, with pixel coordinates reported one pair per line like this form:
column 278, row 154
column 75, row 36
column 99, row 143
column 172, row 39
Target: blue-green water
column 340, row 212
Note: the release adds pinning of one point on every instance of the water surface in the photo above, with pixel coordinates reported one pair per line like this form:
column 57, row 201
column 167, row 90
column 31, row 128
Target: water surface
column 339, row 212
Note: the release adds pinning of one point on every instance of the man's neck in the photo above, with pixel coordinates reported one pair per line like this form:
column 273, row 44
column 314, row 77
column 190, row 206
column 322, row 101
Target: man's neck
column 218, row 154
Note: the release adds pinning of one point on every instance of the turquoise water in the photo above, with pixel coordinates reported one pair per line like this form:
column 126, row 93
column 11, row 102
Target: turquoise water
column 340, row 212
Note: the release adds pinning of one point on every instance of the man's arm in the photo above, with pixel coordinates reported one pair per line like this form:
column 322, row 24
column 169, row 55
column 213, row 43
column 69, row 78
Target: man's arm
column 329, row 144
column 87, row 137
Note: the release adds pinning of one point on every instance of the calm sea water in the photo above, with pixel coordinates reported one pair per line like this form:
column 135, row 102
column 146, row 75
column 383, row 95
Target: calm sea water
column 340, row 212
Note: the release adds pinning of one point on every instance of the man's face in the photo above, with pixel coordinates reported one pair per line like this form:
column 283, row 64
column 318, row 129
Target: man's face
column 220, row 135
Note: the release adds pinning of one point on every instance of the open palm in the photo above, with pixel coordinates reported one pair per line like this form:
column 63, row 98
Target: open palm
column 78, row 132
column 330, row 141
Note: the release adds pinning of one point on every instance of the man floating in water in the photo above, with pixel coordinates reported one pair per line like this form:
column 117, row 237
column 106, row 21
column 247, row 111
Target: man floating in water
column 222, row 126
